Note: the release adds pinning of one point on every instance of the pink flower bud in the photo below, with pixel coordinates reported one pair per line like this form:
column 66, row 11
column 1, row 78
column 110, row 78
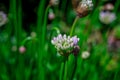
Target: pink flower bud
column 22, row 49
column 51, row 15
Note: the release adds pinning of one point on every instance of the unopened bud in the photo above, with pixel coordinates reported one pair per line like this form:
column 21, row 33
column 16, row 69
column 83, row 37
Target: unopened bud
column 76, row 50
column 33, row 34
column 22, row 49
column 85, row 54
column 51, row 15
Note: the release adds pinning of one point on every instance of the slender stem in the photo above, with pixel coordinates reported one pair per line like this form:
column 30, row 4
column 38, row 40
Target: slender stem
column 74, row 69
column 65, row 70
column 73, row 26
column 71, row 33
column 62, row 71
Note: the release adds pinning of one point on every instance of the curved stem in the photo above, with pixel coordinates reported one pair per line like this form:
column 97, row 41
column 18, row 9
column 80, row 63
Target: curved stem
column 54, row 29
column 25, row 40
column 73, row 26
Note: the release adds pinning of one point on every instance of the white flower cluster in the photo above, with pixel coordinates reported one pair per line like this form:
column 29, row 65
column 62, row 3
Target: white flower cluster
column 87, row 3
column 64, row 42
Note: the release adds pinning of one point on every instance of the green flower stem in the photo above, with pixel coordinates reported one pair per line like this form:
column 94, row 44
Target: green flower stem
column 71, row 33
column 73, row 26
column 62, row 71
column 65, row 71
column 74, row 69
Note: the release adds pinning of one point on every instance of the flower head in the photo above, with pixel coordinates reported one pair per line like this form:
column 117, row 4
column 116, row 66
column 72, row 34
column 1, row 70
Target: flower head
column 107, row 17
column 82, row 8
column 64, row 44
column 3, row 18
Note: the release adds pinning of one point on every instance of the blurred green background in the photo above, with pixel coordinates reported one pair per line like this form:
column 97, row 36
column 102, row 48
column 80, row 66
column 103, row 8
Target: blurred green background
column 26, row 30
